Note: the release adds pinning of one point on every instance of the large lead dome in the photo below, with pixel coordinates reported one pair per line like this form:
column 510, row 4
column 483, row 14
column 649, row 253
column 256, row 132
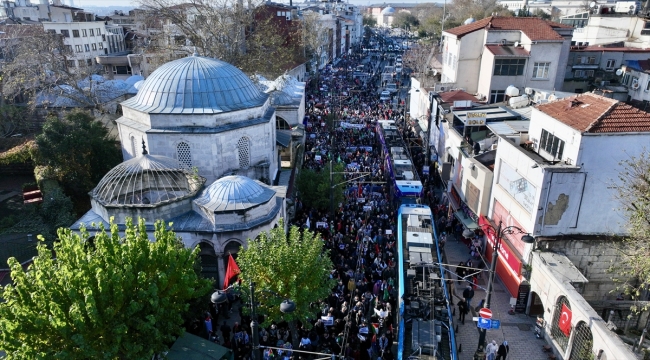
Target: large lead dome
column 196, row 85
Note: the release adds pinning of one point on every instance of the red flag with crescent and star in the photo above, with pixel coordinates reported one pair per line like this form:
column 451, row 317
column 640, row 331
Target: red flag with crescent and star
column 565, row 320
column 231, row 272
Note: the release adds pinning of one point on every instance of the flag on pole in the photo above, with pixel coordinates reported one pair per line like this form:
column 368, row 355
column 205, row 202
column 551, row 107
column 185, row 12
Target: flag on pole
column 308, row 223
column 231, row 271
column 565, row 320
column 375, row 328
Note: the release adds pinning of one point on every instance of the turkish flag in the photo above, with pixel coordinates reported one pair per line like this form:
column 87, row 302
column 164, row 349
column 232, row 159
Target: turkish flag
column 231, row 271
column 565, row 320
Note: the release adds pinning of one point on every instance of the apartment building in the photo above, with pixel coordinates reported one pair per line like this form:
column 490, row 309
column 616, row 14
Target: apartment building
column 487, row 56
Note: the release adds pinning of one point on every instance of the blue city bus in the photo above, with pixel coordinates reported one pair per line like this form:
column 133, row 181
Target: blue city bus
column 401, row 174
column 424, row 305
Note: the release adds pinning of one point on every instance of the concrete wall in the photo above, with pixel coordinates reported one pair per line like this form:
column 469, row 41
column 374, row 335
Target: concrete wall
column 481, row 178
column 463, row 68
column 609, row 29
column 592, row 258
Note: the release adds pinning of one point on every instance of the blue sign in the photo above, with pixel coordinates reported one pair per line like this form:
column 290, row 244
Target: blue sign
column 484, row 323
column 496, row 324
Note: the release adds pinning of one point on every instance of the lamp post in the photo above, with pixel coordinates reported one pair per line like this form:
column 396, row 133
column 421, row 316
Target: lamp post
column 498, row 233
column 286, row 307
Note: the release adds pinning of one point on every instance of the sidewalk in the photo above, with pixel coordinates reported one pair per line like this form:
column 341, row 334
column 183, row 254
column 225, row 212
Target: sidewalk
column 516, row 329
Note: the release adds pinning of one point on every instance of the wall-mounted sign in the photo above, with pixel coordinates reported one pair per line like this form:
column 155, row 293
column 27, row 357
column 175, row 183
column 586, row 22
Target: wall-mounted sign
column 475, row 119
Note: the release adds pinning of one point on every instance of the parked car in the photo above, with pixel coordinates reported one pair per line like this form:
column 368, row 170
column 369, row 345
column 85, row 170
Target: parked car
column 398, row 68
column 385, row 95
column 398, row 58
column 391, row 87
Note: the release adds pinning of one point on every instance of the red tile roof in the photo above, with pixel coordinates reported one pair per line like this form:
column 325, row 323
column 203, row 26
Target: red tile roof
column 591, row 113
column 535, row 28
column 505, row 50
column 456, row 95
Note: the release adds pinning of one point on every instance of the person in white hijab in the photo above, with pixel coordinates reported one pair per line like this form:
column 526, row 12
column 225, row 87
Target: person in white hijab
column 491, row 350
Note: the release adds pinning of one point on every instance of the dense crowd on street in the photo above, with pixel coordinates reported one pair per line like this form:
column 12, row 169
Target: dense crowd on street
column 357, row 319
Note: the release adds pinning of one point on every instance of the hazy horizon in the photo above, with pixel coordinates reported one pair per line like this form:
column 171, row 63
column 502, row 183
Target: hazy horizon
column 107, row 3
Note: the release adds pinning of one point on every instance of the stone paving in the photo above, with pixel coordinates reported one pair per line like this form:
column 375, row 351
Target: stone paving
column 517, row 329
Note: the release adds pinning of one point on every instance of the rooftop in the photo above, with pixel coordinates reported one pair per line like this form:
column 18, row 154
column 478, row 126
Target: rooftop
column 591, row 113
column 535, row 28
column 456, row 95
column 606, row 48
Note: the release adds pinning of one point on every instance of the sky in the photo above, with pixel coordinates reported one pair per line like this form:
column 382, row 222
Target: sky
column 81, row 3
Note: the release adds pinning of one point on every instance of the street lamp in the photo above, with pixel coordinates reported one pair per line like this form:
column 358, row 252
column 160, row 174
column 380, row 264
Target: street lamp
column 286, row 307
column 499, row 232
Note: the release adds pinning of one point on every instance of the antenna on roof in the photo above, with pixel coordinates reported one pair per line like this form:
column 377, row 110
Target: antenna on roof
column 144, row 148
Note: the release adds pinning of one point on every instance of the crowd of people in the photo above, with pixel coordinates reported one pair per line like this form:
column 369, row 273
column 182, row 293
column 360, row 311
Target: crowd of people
column 357, row 319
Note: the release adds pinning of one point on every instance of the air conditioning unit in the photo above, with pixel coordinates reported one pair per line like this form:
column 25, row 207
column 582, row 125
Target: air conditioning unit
column 504, row 41
column 635, row 85
column 528, row 91
column 493, row 147
column 568, row 161
column 442, row 88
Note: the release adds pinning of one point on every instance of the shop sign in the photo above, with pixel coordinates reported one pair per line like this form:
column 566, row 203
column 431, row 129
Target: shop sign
column 475, row 119
column 505, row 252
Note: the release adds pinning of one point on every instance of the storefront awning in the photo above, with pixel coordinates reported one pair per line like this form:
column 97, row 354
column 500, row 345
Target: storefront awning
column 466, row 220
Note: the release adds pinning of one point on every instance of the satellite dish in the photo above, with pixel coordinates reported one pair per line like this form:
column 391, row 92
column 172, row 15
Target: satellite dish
column 619, row 72
column 592, row 4
column 516, row 43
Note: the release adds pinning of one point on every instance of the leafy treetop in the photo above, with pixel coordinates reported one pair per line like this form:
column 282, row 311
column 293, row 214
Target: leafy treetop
column 110, row 296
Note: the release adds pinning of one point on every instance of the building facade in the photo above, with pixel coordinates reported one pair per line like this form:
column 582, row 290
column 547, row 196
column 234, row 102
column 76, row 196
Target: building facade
column 487, row 56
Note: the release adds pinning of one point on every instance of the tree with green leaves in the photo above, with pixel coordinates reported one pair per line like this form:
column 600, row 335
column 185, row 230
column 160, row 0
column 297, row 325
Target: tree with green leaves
column 368, row 20
column 405, row 19
column 315, row 186
column 109, row 296
column 631, row 271
column 283, row 266
column 77, row 150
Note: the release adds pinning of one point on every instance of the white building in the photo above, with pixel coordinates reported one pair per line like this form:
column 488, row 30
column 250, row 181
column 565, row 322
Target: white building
column 487, row 56
column 196, row 121
column 84, row 37
column 600, row 29
column 595, row 66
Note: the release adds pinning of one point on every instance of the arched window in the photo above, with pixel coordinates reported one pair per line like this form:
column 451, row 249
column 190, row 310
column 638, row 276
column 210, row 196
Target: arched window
column 281, row 124
column 133, row 147
column 583, row 343
column 184, row 154
column 243, row 148
column 560, row 337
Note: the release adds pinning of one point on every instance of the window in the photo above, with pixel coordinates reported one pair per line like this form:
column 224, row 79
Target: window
column 552, row 145
column 90, row 62
column 77, row 48
column 75, row 33
column 646, row 28
column 51, row 31
column 589, row 73
column 65, row 33
column 121, row 70
column 133, row 147
column 626, row 79
column 509, row 67
column 68, row 48
column 84, row 33
column 70, row 63
column 100, row 45
column 591, row 60
column 87, row 47
column 98, row 32
column 243, row 149
column 647, row 86
column 610, row 64
column 92, row 32
column 497, row 96
column 540, row 70
column 82, row 63
column 184, row 154
column 94, row 46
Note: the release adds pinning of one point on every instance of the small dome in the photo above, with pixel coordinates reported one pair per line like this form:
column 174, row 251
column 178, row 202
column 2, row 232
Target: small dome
column 469, row 21
column 146, row 181
column 233, row 193
column 279, row 97
column 388, row 11
column 196, row 85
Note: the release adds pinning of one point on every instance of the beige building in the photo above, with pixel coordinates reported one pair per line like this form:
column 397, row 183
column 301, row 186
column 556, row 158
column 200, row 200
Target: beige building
column 487, row 56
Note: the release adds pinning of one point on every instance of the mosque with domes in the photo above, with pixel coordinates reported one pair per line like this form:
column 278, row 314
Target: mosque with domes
column 199, row 143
